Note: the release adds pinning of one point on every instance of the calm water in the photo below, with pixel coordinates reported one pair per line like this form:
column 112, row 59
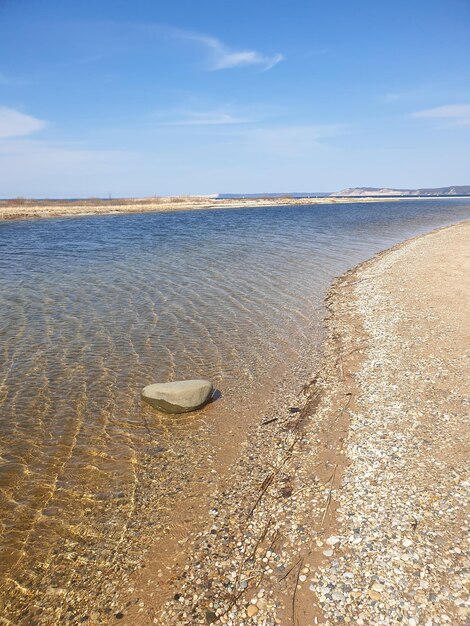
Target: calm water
column 93, row 309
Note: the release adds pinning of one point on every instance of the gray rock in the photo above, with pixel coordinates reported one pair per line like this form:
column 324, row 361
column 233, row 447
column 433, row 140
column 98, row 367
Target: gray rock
column 178, row 397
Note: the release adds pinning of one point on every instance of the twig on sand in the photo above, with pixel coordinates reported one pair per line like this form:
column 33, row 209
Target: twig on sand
column 295, row 589
column 240, row 567
column 345, row 407
column 349, row 394
column 260, row 539
column 286, row 574
column 253, row 553
column 328, row 500
column 264, row 487
column 274, row 419
column 232, row 603
column 270, row 477
column 341, row 367
column 273, row 541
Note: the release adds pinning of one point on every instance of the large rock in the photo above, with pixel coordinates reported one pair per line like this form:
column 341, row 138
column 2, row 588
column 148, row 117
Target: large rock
column 178, row 397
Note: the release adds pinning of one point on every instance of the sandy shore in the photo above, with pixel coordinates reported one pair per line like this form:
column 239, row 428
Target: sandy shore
column 348, row 504
column 36, row 209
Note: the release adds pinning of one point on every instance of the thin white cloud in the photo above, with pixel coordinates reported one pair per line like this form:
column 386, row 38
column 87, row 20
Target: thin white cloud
column 222, row 57
column 394, row 96
column 105, row 38
column 16, row 124
column 292, row 141
column 312, row 133
column 201, row 118
column 398, row 96
column 453, row 114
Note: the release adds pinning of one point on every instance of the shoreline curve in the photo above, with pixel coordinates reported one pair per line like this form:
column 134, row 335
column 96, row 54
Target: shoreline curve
column 355, row 504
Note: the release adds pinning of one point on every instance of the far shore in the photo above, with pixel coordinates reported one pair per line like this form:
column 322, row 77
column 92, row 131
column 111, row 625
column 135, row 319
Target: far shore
column 17, row 209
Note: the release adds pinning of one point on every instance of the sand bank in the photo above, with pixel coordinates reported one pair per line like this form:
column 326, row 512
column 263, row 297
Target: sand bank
column 349, row 505
column 36, row 209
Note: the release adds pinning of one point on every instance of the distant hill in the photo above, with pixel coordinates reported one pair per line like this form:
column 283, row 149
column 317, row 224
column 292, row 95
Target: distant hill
column 459, row 190
column 294, row 194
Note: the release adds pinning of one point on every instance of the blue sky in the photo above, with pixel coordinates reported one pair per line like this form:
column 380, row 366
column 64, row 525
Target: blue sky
column 196, row 97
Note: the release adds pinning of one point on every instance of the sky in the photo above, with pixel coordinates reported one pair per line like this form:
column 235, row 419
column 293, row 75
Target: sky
column 151, row 97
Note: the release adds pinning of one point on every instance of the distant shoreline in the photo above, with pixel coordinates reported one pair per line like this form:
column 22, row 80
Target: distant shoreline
column 40, row 209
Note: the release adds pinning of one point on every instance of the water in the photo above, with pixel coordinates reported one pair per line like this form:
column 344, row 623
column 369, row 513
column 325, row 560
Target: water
column 93, row 309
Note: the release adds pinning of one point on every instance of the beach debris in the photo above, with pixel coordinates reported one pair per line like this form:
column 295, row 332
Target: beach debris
column 269, row 421
column 178, row 397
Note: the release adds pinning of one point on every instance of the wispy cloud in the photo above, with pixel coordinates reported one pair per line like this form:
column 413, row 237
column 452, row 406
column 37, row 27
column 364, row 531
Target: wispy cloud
column 203, row 111
column 400, row 96
column 294, row 140
column 452, row 114
column 396, row 96
column 16, row 124
column 200, row 118
column 223, row 57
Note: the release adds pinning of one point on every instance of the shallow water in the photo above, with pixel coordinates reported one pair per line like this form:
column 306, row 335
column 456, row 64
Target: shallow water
column 94, row 308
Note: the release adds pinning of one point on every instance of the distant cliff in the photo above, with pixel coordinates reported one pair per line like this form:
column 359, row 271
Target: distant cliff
column 459, row 190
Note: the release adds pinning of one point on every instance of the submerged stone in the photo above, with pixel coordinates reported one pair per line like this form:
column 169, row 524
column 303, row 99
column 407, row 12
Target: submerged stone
column 178, row 397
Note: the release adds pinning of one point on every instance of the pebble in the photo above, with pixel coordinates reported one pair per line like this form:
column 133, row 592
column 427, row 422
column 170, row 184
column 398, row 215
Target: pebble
column 375, row 595
column 333, row 540
column 338, row 596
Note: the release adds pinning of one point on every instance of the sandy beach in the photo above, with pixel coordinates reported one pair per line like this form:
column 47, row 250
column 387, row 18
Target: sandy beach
column 348, row 505
column 37, row 209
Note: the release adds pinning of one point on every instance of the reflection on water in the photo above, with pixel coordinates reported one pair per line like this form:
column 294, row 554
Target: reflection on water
column 92, row 310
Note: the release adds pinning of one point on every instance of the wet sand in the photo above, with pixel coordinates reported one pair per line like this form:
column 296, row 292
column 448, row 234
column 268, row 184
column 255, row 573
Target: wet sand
column 35, row 209
column 348, row 503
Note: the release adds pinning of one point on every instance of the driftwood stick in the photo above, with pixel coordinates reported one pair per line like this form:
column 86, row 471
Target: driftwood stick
column 295, row 589
column 232, row 603
column 260, row 539
column 289, row 570
column 267, row 481
column 240, row 567
column 345, row 407
column 273, row 541
column 270, row 477
column 328, row 500
column 274, row 419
